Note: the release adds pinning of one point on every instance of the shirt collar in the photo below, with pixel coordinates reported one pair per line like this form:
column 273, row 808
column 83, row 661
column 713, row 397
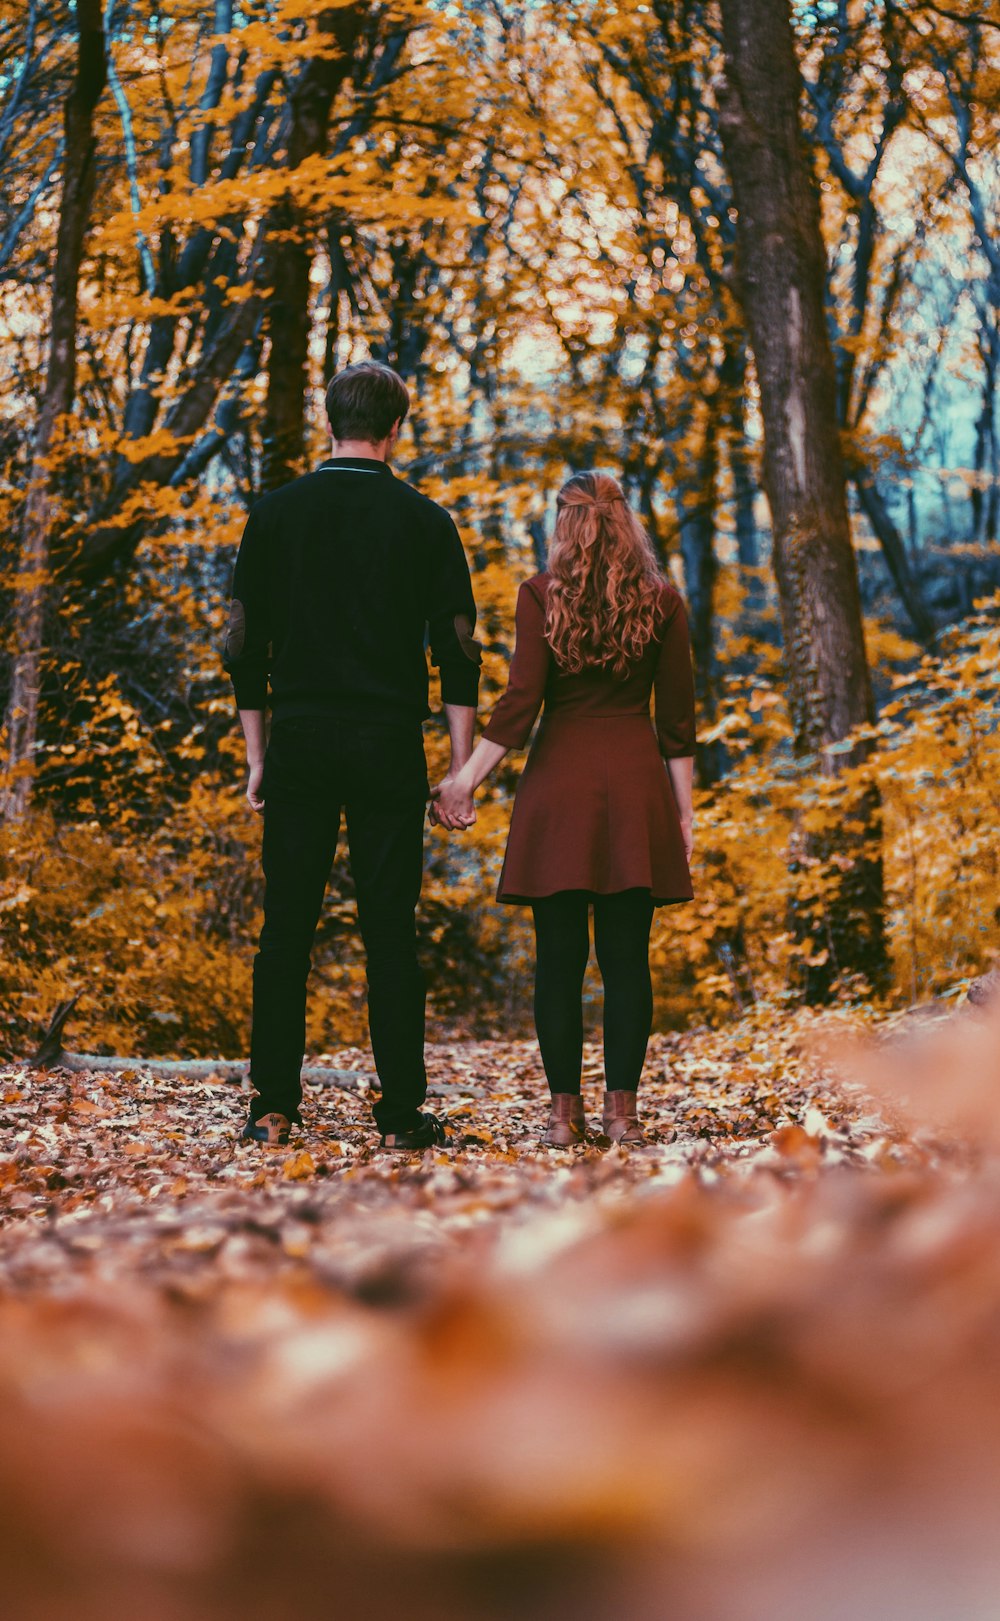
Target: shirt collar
column 354, row 464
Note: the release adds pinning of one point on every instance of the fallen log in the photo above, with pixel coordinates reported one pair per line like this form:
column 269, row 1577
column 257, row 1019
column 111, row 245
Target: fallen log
column 51, row 1054
column 233, row 1070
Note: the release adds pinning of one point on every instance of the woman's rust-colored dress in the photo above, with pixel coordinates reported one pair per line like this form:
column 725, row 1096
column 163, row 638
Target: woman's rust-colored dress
column 595, row 808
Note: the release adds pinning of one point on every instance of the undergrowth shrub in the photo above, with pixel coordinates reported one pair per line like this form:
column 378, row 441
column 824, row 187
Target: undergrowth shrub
column 156, row 924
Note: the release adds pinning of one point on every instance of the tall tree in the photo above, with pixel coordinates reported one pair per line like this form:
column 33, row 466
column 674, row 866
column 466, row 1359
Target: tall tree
column 781, row 283
column 79, row 169
column 847, row 47
column 967, row 62
column 289, row 317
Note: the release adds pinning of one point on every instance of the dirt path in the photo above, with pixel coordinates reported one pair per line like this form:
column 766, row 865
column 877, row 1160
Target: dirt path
column 113, row 1172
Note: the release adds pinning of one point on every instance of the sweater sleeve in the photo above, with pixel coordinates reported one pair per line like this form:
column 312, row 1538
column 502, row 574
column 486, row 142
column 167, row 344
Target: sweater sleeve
column 673, row 686
column 246, row 653
column 451, row 618
column 513, row 717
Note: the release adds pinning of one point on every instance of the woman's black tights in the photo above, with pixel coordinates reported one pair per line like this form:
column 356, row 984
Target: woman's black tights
column 562, row 948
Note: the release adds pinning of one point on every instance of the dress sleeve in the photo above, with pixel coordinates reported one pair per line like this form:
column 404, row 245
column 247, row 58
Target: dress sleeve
column 673, row 686
column 246, row 653
column 451, row 618
column 511, row 721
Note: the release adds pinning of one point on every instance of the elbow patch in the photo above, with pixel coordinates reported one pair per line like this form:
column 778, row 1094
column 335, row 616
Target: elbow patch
column 236, row 633
column 466, row 641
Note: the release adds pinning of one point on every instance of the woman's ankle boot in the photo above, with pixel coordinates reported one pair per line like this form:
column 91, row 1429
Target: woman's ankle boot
column 621, row 1117
column 566, row 1123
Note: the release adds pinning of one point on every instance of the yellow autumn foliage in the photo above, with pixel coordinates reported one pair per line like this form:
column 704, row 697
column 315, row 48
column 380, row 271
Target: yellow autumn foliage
column 153, row 914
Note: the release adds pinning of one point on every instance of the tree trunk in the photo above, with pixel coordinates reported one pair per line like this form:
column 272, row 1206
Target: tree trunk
column 744, row 493
column 991, row 522
column 275, row 263
column 696, row 518
column 894, row 551
column 288, row 312
column 733, row 382
column 340, row 283
column 744, row 484
column 79, row 170
column 782, row 273
column 101, row 547
column 983, row 505
column 195, row 262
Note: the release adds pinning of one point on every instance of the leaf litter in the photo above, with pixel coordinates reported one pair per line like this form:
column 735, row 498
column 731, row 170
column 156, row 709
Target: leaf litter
column 697, row 1379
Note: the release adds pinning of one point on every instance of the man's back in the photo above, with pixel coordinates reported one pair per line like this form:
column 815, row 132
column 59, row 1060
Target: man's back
column 339, row 576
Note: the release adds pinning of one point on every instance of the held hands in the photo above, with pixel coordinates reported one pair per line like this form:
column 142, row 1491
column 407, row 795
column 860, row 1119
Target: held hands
column 451, row 805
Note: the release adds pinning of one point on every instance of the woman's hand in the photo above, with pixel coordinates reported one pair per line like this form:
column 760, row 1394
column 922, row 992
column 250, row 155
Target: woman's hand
column 451, row 800
column 680, row 770
column 451, row 804
column 687, row 833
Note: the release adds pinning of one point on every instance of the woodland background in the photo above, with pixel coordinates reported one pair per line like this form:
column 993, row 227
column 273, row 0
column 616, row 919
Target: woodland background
column 529, row 209
column 743, row 253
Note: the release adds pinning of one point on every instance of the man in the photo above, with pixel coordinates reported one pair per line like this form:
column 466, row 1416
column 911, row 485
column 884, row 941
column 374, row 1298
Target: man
column 340, row 576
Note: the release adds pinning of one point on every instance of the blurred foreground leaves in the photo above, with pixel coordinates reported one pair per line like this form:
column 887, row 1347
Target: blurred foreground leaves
column 757, row 1360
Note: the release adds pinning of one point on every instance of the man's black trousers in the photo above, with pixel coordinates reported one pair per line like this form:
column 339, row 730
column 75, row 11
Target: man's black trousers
column 315, row 767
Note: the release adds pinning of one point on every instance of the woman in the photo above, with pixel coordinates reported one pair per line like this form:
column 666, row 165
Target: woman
column 597, row 820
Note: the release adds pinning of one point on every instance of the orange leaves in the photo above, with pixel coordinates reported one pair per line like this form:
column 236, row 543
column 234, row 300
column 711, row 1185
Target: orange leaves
column 935, row 760
column 163, row 442
column 743, row 1374
column 712, row 1101
column 86, row 1106
column 352, row 182
column 796, row 1145
column 299, row 1167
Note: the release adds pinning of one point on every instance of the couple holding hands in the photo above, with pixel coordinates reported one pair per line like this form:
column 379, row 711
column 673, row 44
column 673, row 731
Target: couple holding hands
column 343, row 577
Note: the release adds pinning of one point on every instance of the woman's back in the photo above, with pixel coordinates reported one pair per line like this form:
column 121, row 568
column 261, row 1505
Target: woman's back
column 596, row 689
column 537, row 677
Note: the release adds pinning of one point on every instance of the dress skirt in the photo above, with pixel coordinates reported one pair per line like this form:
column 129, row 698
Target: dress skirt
column 595, row 810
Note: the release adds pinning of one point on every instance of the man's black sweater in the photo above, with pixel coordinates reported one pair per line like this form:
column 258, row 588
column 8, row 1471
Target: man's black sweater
column 340, row 576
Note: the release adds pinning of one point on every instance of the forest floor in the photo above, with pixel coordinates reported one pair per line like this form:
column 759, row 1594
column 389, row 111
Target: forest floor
column 689, row 1379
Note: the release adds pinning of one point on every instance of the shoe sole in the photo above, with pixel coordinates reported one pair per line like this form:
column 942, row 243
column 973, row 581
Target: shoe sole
column 408, row 1148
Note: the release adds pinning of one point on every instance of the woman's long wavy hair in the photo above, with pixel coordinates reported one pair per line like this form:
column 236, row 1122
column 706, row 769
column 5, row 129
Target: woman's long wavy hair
column 606, row 583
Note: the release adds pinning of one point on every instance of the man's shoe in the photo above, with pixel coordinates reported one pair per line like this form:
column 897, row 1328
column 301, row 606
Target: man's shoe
column 271, row 1129
column 428, row 1133
column 566, row 1125
column 621, row 1118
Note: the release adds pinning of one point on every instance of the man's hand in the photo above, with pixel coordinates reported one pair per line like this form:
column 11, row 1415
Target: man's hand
column 451, row 805
column 255, row 734
column 256, row 777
